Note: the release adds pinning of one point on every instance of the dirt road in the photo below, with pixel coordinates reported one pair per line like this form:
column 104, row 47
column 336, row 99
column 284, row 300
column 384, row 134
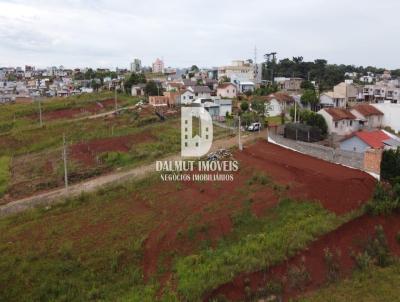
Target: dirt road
column 59, row 195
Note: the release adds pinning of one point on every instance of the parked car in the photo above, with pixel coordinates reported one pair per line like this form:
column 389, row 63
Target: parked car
column 254, row 127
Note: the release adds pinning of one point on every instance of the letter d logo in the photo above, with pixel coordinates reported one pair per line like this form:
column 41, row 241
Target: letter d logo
column 196, row 146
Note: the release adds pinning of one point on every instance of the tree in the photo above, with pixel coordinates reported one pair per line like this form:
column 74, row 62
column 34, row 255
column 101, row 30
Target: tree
column 313, row 119
column 224, row 79
column 194, row 68
column 259, row 107
column 134, row 79
column 307, row 85
column 390, row 165
column 152, row 88
column 310, row 97
column 244, row 106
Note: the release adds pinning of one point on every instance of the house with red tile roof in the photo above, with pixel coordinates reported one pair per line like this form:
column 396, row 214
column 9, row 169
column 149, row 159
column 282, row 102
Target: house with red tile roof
column 360, row 141
column 340, row 121
column 368, row 116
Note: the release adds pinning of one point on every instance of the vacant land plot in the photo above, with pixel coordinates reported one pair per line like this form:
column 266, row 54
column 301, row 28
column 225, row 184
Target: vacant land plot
column 344, row 244
column 144, row 239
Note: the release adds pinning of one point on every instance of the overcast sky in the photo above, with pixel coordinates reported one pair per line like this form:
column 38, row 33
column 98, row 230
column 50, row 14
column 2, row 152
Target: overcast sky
column 101, row 33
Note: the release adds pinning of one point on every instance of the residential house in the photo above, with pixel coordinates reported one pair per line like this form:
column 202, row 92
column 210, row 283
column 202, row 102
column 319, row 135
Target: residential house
column 278, row 103
column 360, row 141
column 227, row 90
column 174, row 86
column 382, row 91
column 348, row 90
column 225, row 106
column 331, row 99
column 391, row 114
column 340, row 121
column 200, row 91
column 289, row 84
column 217, row 108
column 368, row 116
column 138, row 89
column 246, row 86
column 187, row 97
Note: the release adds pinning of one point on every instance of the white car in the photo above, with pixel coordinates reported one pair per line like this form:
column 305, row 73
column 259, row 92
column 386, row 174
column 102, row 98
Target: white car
column 254, row 127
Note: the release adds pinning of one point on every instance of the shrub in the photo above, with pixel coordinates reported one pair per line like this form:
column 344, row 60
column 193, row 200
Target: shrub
column 298, row 276
column 332, row 263
column 390, row 165
column 384, row 201
column 363, row 261
column 378, row 248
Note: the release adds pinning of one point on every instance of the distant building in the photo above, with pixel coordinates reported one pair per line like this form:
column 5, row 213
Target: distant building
column 227, row 90
column 158, row 66
column 239, row 71
column 136, row 66
column 289, row 84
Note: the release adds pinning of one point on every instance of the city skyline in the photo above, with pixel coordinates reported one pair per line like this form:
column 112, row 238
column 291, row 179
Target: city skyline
column 110, row 34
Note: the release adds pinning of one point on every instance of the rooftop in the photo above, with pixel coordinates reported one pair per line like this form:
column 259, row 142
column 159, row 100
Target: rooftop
column 367, row 110
column 340, row 114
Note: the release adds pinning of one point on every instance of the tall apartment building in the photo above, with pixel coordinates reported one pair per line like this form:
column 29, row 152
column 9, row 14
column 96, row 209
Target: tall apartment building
column 158, row 66
column 240, row 71
column 136, row 65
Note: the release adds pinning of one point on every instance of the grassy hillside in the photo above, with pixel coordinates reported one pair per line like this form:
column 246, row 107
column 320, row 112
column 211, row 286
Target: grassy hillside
column 92, row 247
column 4, row 173
column 374, row 285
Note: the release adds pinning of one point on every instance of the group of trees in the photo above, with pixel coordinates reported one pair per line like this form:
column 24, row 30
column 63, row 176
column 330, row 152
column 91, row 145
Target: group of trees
column 311, row 118
column 326, row 75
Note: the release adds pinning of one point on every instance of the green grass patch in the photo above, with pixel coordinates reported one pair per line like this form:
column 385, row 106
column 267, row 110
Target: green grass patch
column 256, row 243
column 4, row 173
column 375, row 284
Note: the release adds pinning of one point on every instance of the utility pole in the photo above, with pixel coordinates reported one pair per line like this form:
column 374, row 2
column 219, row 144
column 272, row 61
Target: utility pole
column 65, row 163
column 295, row 111
column 40, row 113
column 240, row 141
column 115, row 99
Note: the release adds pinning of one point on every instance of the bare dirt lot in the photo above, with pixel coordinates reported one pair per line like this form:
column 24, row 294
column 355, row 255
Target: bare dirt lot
column 336, row 187
column 74, row 112
column 87, row 152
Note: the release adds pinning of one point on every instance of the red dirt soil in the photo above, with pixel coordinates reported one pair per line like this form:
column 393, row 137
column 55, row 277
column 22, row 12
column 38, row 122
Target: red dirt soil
column 347, row 239
column 338, row 188
column 73, row 112
column 87, row 152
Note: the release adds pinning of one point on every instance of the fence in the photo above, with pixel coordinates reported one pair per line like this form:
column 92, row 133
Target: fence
column 347, row 158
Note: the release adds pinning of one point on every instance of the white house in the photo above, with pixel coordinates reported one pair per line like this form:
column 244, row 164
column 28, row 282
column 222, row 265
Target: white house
column 339, row 121
column 331, row 99
column 391, row 117
column 278, row 103
column 368, row 116
column 216, row 107
column 187, row 97
column 246, row 86
column 227, row 90
column 200, row 91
